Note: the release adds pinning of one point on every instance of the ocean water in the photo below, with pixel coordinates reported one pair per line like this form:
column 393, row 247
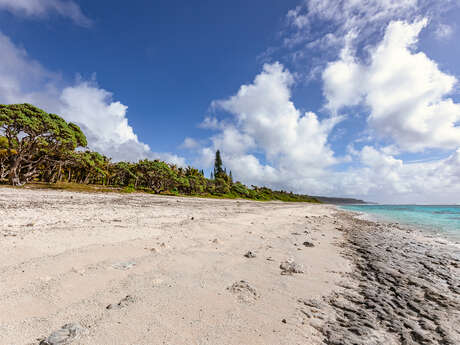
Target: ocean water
column 441, row 220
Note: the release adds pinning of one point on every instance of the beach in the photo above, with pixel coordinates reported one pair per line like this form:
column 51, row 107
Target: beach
column 145, row 269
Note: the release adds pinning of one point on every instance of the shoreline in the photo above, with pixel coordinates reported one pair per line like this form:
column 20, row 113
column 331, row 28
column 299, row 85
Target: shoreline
column 145, row 269
column 405, row 287
column 424, row 231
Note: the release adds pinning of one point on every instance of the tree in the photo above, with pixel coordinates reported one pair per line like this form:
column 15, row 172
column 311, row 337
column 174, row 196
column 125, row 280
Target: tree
column 218, row 169
column 122, row 174
column 156, row 175
column 34, row 136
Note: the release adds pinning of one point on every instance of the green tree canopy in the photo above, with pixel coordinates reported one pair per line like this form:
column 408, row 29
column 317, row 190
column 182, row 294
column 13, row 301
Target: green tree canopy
column 35, row 136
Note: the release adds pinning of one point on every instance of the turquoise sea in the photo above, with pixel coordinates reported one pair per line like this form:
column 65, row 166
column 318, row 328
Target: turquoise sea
column 442, row 220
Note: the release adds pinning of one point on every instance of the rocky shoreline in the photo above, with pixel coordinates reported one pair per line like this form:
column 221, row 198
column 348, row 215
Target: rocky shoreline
column 405, row 289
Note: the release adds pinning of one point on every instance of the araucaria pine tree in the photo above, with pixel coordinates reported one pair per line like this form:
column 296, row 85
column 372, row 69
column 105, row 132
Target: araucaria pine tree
column 218, row 169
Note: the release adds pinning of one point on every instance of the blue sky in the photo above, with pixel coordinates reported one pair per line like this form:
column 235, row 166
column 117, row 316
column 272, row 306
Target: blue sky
column 332, row 97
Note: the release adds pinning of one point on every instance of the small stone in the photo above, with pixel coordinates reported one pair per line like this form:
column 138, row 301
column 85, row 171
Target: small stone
column 289, row 267
column 283, row 321
column 123, row 303
column 308, row 244
column 250, row 254
column 65, row 335
column 124, row 265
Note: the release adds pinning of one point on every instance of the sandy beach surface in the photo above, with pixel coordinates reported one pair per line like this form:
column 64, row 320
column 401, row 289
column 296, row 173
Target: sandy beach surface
column 143, row 269
column 133, row 269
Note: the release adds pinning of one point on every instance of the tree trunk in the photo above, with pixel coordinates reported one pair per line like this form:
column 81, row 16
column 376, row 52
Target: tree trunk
column 13, row 175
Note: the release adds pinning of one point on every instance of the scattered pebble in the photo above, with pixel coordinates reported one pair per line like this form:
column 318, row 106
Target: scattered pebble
column 65, row 335
column 308, row 244
column 250, row 254
column 123, row 303
column 124, row 265
column 289, row 267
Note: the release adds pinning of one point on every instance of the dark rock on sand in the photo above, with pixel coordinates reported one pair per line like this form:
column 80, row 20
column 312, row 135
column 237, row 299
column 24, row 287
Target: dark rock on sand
column 250, row 254
column 123, row 303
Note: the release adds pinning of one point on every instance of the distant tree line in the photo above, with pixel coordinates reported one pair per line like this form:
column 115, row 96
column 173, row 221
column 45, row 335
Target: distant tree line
column 36, row 146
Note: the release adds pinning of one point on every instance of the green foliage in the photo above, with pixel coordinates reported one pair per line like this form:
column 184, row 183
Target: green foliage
column 218, row 169
column 36, row 137
column 35, row 144
column 240, row 189
column 3, row 143
column 128, row 189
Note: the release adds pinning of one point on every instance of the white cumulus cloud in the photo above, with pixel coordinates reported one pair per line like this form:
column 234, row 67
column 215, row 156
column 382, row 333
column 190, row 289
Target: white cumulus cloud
column 384, row 178
column 268, row 141
column 406, row 92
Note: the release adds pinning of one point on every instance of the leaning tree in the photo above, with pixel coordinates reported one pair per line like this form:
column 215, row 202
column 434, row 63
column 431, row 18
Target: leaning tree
column 34, row 138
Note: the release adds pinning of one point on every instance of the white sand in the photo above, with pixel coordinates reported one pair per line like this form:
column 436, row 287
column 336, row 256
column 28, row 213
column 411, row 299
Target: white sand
column 57, row 251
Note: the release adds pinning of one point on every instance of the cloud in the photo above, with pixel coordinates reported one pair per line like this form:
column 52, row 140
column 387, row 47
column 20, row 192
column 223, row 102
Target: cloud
column 387, row 179
column 406, row 92
column 326, row 23
column 190, row 143
column 444, row 31
column 266, row 118
column 296, row 18
column 103, row 120
column 268, row 141
column 317, row 30
column 40, row 8
column 367, row 53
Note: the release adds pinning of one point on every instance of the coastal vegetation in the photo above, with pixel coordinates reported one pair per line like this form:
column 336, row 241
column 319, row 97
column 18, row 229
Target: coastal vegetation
column 36, row 146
